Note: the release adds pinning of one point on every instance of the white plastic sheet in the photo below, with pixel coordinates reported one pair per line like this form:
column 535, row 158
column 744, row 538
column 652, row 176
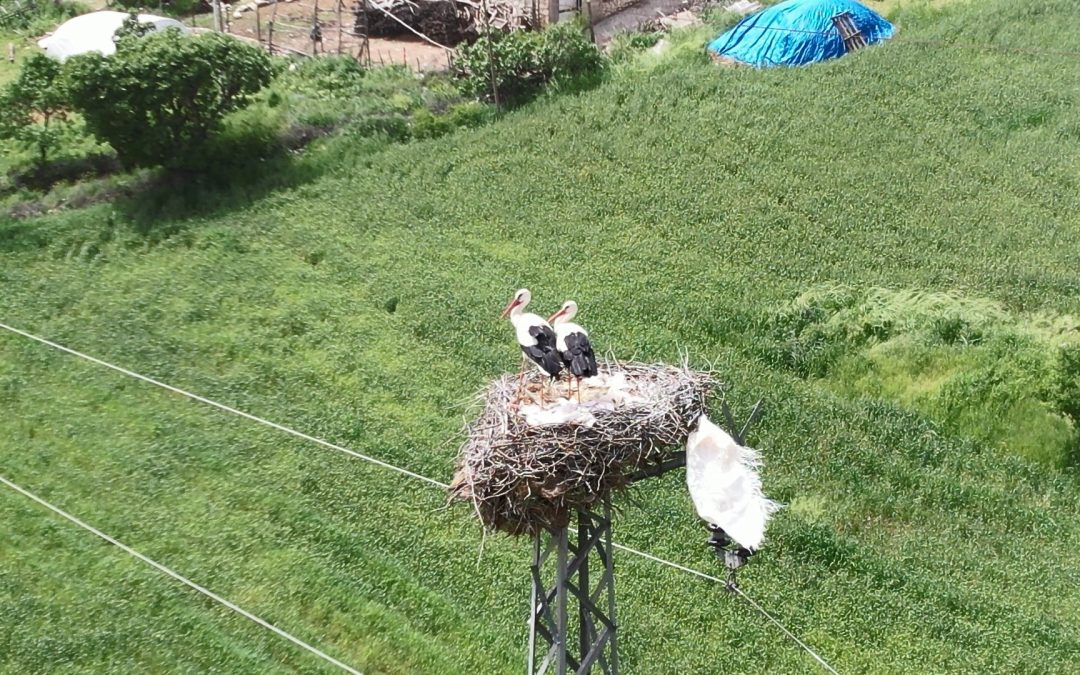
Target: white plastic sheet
column 94, row 32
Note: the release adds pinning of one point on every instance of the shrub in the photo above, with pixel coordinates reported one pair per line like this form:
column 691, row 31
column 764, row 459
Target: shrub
column 36, row 16
column 523, row 62
column 160, row 99
column 427, row 124
column 625, row 46
column 34, row 108
column 326, row 78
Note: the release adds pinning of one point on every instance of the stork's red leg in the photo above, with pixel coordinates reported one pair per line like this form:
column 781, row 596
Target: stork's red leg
column 521, row 377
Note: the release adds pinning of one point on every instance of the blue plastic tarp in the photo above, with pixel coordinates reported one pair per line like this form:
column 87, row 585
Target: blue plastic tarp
column 797, row 32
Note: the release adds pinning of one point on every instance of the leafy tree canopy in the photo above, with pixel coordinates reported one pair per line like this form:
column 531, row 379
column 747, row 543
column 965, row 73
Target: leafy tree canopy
column 160, row 98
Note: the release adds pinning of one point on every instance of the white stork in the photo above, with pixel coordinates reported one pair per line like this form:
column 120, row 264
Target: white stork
column 535, row 336
column 573, row 344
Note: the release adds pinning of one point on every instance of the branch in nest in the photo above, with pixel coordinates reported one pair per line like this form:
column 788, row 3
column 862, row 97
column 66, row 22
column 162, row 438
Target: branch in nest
column 523, row 477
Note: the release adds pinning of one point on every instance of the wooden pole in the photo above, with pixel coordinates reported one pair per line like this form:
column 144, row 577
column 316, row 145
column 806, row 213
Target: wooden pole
column 491, row 51
column 367, row 34
column 589, row 18
column 258, row 25
column 339, row 26
column 553, row 12
column 270, row 36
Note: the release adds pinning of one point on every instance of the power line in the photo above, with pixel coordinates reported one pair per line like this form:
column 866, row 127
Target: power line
column 182, row 579
column 385, row 465
column 410, row 28
column 709, row 577
column 222, row 406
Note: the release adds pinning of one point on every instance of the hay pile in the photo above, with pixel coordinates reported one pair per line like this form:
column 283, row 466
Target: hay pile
column 522, row 477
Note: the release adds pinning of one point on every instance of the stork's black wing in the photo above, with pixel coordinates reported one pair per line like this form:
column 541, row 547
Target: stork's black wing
column 578, row 356
column 544, row 352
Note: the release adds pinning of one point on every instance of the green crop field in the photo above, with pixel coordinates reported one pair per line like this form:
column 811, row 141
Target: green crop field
column 885, row 248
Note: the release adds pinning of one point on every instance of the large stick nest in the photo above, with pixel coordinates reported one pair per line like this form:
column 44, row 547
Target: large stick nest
column 526, row 467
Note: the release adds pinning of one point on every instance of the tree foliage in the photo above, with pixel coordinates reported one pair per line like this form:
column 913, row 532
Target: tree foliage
column 132, row 28
column 34, row 107
column 521, row 63
column 160, row 98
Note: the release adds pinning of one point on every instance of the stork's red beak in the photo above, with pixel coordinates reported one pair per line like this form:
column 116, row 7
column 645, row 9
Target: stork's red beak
column 506, row 312
column 556, row 315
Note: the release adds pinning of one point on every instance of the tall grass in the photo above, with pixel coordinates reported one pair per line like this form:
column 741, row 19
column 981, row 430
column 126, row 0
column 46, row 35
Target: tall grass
column 1003, row 379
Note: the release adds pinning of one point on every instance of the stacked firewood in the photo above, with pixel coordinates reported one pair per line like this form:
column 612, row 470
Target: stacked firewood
column 446, row 21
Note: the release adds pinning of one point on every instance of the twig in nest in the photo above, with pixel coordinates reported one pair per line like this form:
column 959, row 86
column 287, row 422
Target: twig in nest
column 522, row 477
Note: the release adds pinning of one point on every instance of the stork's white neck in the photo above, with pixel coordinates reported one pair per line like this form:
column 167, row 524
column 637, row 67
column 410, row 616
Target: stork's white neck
column 518, row 311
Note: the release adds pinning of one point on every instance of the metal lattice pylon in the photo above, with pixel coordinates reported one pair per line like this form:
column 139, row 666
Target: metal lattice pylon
column 573, row 602
column 573, row 608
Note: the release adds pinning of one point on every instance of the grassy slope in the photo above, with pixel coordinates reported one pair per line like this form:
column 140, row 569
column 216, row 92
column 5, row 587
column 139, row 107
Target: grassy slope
column 678, row 204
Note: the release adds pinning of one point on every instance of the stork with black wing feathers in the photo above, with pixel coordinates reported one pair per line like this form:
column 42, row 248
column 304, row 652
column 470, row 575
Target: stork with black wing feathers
column 536, row 338
column 573, row 344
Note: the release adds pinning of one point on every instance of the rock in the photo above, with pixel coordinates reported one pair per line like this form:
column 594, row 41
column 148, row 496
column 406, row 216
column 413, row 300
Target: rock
column 744, row 7
column 680, row 20
column 250, row 6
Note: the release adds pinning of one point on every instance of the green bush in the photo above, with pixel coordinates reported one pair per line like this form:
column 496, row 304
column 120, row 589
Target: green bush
column 521, row 63
column 35, row 17
column 160, row 99
column 428, row 124
column 326, row 78
column 625, row 46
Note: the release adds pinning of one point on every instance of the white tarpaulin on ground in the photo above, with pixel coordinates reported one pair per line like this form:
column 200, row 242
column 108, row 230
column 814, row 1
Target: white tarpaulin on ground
column 94, row 32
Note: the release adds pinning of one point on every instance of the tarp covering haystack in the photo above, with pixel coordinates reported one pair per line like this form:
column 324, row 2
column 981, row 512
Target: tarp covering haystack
column 527, row 465
column 798, row 32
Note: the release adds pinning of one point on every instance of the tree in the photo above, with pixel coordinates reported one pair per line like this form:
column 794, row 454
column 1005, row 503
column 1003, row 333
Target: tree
column 34, row 107
column 159, row 99
column 132, row 28
column 521, row 63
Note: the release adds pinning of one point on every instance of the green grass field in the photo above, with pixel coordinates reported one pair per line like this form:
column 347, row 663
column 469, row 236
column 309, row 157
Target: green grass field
column 353, row 295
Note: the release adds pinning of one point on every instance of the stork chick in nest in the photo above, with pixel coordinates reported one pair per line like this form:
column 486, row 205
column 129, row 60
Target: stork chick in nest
column 574, row 346
column 536, row 337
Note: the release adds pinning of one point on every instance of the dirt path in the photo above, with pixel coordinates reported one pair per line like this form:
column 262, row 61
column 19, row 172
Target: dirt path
column 630, row 18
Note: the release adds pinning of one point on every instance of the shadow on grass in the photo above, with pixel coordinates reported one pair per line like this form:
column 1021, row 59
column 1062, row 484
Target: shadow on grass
column 43, row 177
column 233, row 173
column 235, row 170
